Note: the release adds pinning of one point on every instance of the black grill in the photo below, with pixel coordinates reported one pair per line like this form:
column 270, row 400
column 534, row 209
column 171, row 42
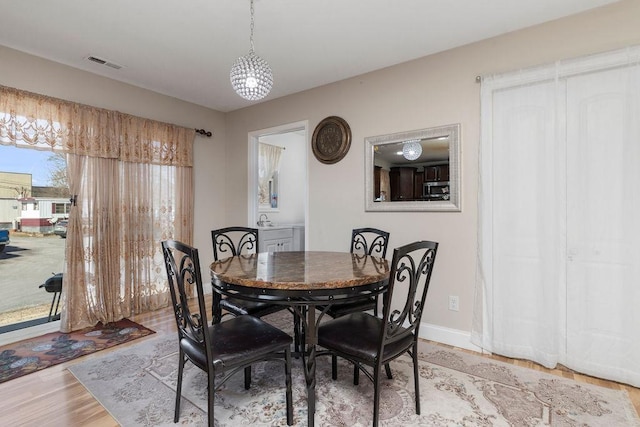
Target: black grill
column 54, row 285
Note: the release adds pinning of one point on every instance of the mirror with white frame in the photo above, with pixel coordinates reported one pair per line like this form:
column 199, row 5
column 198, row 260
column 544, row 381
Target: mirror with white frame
column 414, row 171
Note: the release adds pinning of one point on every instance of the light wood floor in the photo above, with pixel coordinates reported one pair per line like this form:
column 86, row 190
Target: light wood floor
column 53, row 397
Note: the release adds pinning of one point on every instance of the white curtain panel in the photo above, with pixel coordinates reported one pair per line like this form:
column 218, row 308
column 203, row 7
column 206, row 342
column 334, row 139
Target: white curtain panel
column 268, row 164
column 558, row 278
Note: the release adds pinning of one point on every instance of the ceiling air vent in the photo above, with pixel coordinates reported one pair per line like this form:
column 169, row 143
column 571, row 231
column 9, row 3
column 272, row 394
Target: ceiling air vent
column 104, row 62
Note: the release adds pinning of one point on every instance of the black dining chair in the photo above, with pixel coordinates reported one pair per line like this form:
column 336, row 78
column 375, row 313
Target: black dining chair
column 232, row 241
column 365, row 241
column 220, row 349
column 370, row 341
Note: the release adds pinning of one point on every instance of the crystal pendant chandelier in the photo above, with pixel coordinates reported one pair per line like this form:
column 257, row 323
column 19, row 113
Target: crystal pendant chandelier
column 251, row 76
column 411, row 149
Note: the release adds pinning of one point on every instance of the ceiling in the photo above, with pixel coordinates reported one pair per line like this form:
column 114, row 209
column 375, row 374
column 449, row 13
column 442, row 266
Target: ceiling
column 185, row 49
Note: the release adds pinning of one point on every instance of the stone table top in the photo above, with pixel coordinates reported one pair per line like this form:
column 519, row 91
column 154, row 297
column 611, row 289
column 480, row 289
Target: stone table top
column 300, row 271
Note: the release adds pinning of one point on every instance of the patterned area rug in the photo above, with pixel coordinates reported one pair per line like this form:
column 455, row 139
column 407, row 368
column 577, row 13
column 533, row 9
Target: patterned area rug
column 137, row 386
column 34, row 354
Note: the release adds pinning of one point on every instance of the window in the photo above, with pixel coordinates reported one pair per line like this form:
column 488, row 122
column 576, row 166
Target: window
column 60, row 208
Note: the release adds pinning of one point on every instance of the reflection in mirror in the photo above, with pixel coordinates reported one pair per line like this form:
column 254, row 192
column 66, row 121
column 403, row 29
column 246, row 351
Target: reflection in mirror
column 268, row 174
column 414, row 171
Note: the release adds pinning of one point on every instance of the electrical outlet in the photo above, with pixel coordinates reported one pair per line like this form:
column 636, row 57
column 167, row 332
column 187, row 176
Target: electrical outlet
column 454, row 303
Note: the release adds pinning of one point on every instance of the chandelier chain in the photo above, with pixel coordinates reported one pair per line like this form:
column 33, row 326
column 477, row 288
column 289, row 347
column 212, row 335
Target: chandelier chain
column 252, row 25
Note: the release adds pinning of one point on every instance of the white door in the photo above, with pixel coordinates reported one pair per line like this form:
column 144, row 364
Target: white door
column 559, row 202
column 602, row 209
column 293, row 178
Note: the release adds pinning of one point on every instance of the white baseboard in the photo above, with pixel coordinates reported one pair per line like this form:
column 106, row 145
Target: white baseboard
column 449, row 336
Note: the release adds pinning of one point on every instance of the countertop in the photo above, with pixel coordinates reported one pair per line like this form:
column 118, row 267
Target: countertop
column 281, row 226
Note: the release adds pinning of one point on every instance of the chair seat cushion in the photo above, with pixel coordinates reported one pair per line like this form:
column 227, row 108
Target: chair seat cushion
column 358, row 335
column 237, row 340
column 253, row 308
column 338, row 310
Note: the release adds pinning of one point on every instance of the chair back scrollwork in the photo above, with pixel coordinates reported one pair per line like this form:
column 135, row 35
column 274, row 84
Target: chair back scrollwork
column 183, row 273
column 369, row 241
column 409, row 279
column 232, row 241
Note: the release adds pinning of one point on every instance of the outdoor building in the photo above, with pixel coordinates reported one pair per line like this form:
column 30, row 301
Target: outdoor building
column 13, row 186
column 28, row 208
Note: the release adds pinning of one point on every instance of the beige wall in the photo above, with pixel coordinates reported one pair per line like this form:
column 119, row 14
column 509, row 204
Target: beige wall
column 430, row 91
column 53, row 79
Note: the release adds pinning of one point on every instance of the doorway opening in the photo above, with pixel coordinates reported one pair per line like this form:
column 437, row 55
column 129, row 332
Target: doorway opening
column 290, row 186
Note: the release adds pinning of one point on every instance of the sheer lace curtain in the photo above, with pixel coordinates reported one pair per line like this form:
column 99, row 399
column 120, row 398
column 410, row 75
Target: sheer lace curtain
column 559, row 260
column 268, row 163
column 132, row 179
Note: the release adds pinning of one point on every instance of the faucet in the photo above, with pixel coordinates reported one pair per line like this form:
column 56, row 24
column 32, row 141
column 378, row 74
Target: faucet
column 263, row 222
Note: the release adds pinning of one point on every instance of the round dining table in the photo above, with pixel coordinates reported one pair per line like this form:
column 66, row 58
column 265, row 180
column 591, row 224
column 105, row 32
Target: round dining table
column 305, row 282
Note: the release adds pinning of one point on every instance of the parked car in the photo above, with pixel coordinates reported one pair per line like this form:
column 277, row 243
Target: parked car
column 4, row 239
column 61, row 228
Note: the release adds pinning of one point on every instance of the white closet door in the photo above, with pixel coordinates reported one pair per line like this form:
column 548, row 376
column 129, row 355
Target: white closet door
column 559, row 210
column 523, row 253
column 603, row 225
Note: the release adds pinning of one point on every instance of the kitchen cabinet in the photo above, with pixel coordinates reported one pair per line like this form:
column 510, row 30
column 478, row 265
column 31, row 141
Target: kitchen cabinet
column 281, row 238
column 402, row 180
column 418, row 180
column 437, row 172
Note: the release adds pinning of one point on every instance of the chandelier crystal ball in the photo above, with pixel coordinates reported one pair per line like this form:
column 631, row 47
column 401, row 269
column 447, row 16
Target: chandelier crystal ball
column 251, row 77
column 412, row 149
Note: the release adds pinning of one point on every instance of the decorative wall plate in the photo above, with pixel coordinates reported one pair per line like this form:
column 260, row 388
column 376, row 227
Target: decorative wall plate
column 331, row 140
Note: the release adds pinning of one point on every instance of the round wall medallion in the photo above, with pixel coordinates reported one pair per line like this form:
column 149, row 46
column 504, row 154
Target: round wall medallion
column 331, row 140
